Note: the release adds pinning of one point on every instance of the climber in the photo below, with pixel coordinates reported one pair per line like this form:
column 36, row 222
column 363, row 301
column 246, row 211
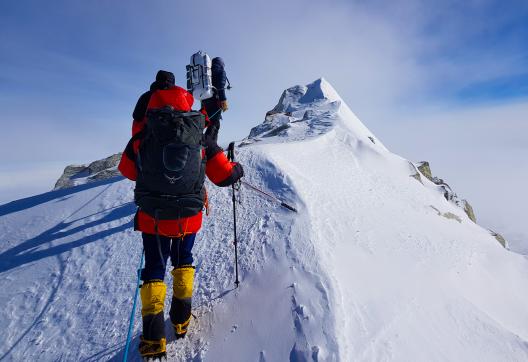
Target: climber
column 168, row 159
column 217, row 104
column 164, row 80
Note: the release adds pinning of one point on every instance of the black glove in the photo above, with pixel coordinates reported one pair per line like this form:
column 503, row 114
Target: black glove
column 238, row 172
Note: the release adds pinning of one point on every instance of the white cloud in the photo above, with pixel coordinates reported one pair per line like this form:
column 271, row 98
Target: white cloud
column 481, row 152
column 28, row 180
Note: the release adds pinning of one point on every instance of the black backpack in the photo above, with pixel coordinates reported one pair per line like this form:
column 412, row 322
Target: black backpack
column 171, row 165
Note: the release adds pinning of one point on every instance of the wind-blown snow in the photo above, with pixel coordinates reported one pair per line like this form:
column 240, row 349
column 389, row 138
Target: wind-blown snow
column 304, row 112
column 375, row 266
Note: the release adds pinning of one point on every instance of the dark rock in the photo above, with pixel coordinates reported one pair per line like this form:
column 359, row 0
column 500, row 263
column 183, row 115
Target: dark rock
column 468, row 209
column 104, row 164
column 277, row 130
column 105, row 174
column 499, row 238
column 447, row 215
column 69, row 172
column 414, row 173
column 424, row 168
column 95, row 171
column 445, row 189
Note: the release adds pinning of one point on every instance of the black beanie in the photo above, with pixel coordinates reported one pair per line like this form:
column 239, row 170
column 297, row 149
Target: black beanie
column 164, row 79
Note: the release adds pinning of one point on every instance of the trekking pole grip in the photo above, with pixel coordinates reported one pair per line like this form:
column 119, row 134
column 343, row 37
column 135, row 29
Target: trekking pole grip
column 231, row 152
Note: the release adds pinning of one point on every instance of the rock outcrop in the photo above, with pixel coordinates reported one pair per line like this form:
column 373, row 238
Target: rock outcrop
column 499, row 238
column 423, row 168
column 445, row 189
column 447, row 215
column 95, row 171
column 468, row 209
column 104, row 164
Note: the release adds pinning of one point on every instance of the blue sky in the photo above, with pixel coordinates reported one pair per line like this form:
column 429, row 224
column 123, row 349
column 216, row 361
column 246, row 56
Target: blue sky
column 83, row 64
column 71, row 72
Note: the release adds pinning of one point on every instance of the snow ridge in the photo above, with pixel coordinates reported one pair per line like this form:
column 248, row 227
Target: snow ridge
column 374, row 266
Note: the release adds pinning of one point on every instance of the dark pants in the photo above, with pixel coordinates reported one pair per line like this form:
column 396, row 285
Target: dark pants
column 178, row 249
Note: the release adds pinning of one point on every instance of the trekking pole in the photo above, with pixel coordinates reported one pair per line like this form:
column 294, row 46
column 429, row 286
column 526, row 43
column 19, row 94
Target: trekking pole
column 269, row 196
column 231, row 157
column 131, row 323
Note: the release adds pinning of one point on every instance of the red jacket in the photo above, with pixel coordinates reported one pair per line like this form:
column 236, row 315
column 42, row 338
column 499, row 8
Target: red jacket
column 218, row 168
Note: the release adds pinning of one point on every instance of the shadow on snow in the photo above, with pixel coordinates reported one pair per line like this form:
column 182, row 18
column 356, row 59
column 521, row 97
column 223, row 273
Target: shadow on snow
column 32, row 201
column 30, row 250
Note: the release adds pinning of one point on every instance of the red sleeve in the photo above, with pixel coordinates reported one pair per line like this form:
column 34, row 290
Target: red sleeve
column 190, row 99
column 140, row 110
column 204, row 112
column 222, row 172
column 137, row 126
column 127, row 164
column 218, row 168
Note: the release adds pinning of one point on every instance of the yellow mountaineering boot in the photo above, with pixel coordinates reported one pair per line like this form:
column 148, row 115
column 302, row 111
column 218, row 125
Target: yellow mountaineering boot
column 153, row 343
column 180, row 311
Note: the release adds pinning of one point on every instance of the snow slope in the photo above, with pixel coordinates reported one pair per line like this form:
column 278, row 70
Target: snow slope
column 376, row 266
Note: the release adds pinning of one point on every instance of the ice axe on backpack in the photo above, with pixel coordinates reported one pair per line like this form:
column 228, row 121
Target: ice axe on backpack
column 231, row 157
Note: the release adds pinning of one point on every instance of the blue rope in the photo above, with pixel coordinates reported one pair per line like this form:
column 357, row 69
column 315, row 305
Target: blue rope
column 131, row 323
column 214, row 114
